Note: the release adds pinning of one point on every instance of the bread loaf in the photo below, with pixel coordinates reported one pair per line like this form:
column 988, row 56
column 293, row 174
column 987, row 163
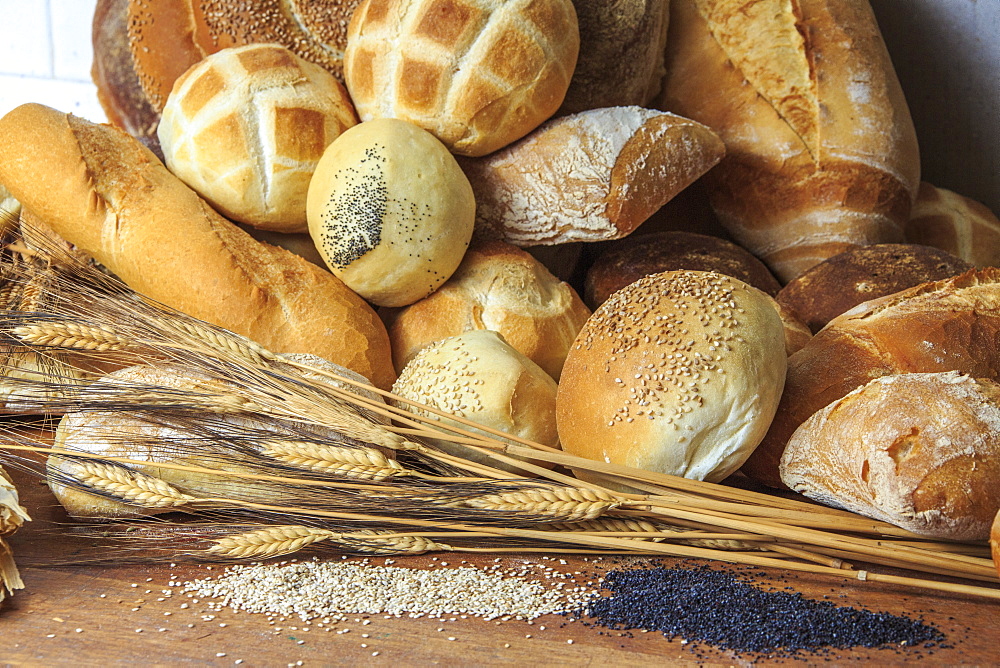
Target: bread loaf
column 621, row 54
column 918, row 450
column 101, row 190
column 592, row 176
column 821, row 153
column 501, row 288
column 678, row 372
column 956, row 224
column 841, row 282
column 245, row 127
column 949, row 325
column 478, row 76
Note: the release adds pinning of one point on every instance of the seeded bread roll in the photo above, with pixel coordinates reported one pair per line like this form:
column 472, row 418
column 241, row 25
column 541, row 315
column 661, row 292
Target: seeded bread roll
column 679, row 372
column 390, row 211
column 501, row 288
column 478, row 76
column 838, row 284
column 479, row 377
column 245, row 128
column 956, row 224
column 934, row 471
column 592, row 176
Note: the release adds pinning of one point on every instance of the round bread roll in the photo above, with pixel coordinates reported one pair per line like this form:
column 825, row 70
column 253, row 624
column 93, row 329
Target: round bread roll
column 627, row 260
column 956, row 224
column 679, row 372
column 918, row 450
column 479, row 377
column 245, row 128
column 390, row 211
column 126, row 435
column 838, row 284
column 477, row 76
column 501, row 288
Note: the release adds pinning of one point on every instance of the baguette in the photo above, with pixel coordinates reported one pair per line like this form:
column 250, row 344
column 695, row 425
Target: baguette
column 109, row 196
column 821, row 152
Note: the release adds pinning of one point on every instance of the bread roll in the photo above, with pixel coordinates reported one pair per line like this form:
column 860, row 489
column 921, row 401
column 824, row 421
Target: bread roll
column 390, row 211
column 245, row 128
column 592, row 176
column 477, row 76
column 839, row 283
column 141, row 47
column 101, row 190
column 949, row 325
column 621, row 59
column 956, row 224
column 821, row 153
column 500, row 288
column 479, row 377
column 934, row 470
column 678, row 372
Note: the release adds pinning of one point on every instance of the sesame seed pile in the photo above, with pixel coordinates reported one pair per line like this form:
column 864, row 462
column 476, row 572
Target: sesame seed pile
column 332, row 590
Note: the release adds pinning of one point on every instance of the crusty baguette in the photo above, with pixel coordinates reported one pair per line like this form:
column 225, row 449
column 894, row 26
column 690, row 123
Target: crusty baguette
column 821, row 153
column 955, row 223
column 591, row 176
column 105, row 193
column 948, row 325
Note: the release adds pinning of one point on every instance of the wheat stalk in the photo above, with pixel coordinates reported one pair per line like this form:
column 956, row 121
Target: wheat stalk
column 132, row 487
column 566, row 504
column 363, row 463
column 71, row 335
column 267, row 542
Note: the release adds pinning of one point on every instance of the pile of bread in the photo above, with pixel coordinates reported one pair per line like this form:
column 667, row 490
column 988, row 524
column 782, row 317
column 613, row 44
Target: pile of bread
column 768, row 286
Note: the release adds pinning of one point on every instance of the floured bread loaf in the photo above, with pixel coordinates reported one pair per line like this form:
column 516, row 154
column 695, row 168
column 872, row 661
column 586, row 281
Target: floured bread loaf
column 477, row 75
column 592, row 176
column 12, row 516
column 918, row 450
column 245, row 128
column 956, row 224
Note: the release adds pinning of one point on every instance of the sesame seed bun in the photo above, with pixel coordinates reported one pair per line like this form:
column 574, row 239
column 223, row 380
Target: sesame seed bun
column 390, row 211
column 679, row 372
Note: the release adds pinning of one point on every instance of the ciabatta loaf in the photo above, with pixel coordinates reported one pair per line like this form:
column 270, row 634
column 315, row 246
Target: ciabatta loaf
column 821, row 150
column 102, row 191
column 591, row 176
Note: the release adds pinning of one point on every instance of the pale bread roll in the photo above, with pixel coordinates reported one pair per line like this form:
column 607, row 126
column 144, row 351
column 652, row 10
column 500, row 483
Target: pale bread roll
column 679, row 373
column 479, row 377
column 919, row 450
column 591, row 176
column 476, row 75
column 390, row 211
column 245, row 128
column 956, row 224
column 501, row 288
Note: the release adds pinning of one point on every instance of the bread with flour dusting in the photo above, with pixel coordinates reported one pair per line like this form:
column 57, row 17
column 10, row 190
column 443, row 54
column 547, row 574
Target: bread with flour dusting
column 591, row 176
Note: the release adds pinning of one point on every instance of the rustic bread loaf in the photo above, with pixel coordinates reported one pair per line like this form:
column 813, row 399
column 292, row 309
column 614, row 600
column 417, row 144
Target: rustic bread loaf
column 678, row 372
column 478, row 76
column 949, row 325
column 102, row 191
column 501, row 288
column 956, row 224
column 245, row 127
column 591, row 176
column 934, row 470
column 621, row 55
column 841, row 282
column 821, row 153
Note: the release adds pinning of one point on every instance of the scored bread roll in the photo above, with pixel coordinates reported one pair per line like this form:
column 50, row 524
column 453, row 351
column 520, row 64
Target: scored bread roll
column 245, row 128
column 821, row 153
column 934, row 470
column 678, row 372
column 102, row 191
column 390, row 211
column 591, row 176
column 948, row 325
column 477, row 76
column 956, row 224
column 841, row 282
column 501, row 288
column 478, row 376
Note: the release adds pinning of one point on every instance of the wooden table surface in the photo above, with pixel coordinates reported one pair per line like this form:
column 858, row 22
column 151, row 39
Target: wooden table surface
column 118, row 615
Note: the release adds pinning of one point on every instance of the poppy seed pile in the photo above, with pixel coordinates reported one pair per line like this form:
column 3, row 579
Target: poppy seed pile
column 722, row 609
